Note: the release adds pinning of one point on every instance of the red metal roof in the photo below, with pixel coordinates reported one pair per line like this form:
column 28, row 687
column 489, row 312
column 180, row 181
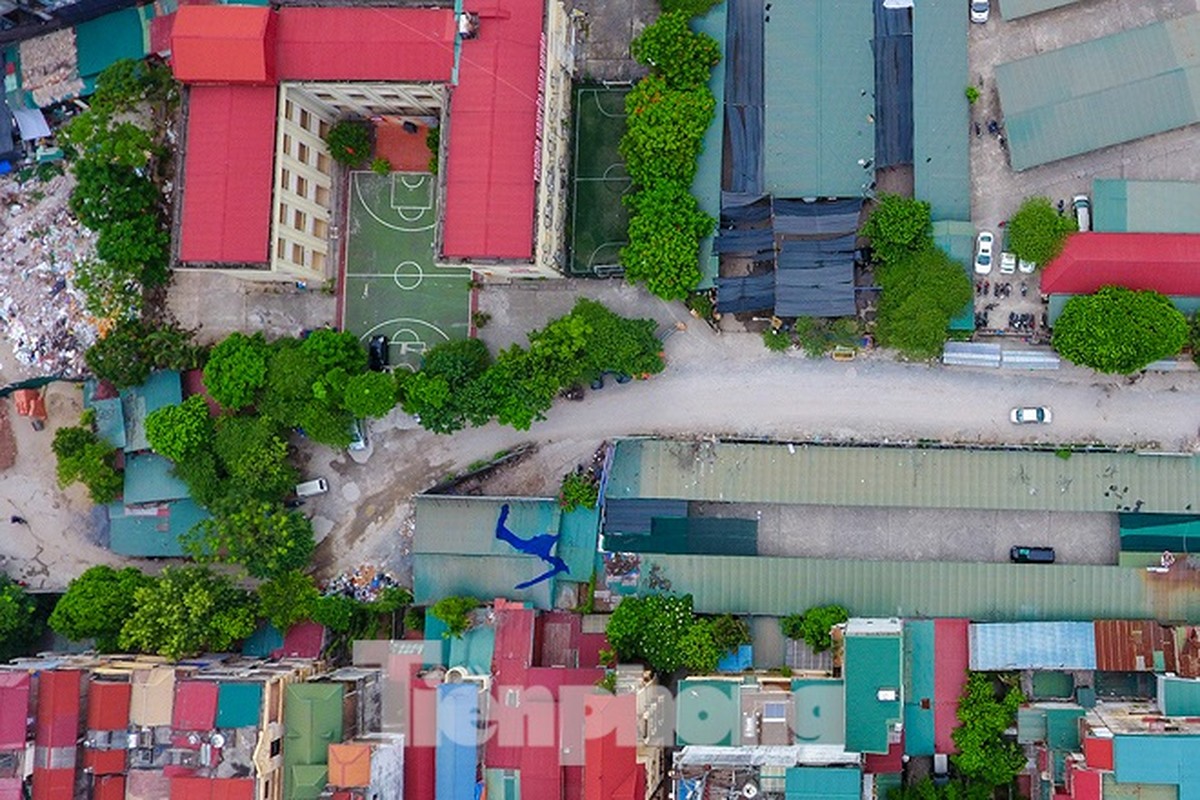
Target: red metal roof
column 53, row 784
column 949, row 677
column 104, row 762
column 195, row 705
column 303, row 640
column 109, row 787
column 420, row 773
column 611, row 771
column 10, row 789
column 58, row 708
column 223, row 44
column 1085, row 784
column 511, row 661
column 365, row 44
column 228, row 173
column 1164, row 262
column 14, row 709
column 490, row 163
column 191, row 788
column 1099, row 751
column 108, row 705
column 1124, row 645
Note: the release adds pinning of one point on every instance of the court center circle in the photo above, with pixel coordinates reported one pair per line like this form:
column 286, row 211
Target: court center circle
column 408, row 275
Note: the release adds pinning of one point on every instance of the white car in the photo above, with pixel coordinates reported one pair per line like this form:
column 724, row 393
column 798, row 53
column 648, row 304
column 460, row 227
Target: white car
column 1008, row 263
column 1027, row 267
column 980, row 10
column 1034, row 415
column 983, row 252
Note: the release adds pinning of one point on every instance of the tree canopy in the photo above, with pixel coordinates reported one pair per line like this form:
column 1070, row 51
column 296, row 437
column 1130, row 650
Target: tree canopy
column 236, row 369
column 659, row 629
column 287, row 598
column 814, row 626
column 899, row 228
column 682, row 57
column 984, row 754
column 132, row 348
column 177, row 431
column 370, row 394
column 19, row 626
column 921, row 292
column 1037, row 231
column 186, row 611
column 83, row 456
column 1119, row 330
column 97, row 604
column 264, row 537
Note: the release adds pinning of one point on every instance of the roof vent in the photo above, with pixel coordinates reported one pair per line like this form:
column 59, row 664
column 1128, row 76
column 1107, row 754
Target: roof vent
column 886, row 695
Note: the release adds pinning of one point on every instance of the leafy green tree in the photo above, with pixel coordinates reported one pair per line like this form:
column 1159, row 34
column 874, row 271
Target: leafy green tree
column 206, row 479
column 729, row 632
column 126, row 83
column 985, row 755
column 186, row 611
column 266, row 538
column 692, row 8
column 698, row 651
column 926, row 789
column 921, row 292
column 288, row 598
column 84, row 457
column 236, row 369
column 616, row 344
column 1196, row 338
column 138, row 246
column 132, row 348
column 1037, row 231
column 93, row 137
column 1119, row 330
column 370, row 394
column 665, row 229
column 672, row 50
column 254, row 454
column 300, row 393
column 455, row 612
column 19, row 627
column 105, row 192
column 519, row 388
column 578, row 490
column 814, row 625
column 332, row 350
column 652, row 629
column 349, row 142
column 339, row 613
column 97, row 604
column 664, row 130
column 175, row 431
column 443, row 394
column 898, row 228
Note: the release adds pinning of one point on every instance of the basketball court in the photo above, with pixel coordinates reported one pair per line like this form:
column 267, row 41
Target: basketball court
column 599, row 220
column 392, row 285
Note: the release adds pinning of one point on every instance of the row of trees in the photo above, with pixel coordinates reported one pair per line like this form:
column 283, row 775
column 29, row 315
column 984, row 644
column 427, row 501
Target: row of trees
column 667, row 115
column 663, row 631
column 461, row 384
column 116, row 153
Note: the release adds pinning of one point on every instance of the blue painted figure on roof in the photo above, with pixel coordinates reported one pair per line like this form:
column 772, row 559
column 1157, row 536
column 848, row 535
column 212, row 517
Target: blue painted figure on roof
column 541, row 546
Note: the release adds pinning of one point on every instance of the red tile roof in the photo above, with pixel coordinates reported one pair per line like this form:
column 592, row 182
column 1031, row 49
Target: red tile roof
column 228, row 172
column 58, row 708
column 492, row 155
column 108, row 705
column 1164, row 262
column 949, row 678
column 109, row 787
column 53, row 784
column 223, row 44
column 105, row 762
column 14, row 709
column 191, row 788
column 195, row 705
column 365, row 44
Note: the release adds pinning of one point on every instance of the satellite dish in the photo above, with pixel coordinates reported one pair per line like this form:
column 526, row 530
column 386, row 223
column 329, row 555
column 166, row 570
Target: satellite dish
column 217, row 740
column 750, row 789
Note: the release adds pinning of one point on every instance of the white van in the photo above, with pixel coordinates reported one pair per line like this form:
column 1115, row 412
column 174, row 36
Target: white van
column 311, row 488
column 1083, row 211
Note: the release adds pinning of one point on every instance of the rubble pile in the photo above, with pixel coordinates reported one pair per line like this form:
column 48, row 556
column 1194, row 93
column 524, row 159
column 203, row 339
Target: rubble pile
column 41, row 314
column 363, row 584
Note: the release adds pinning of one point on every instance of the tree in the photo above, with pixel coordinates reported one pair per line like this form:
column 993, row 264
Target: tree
column 287, row 598
column 19, row 627
column 692, row 8
column 254, row 454
column 1037, row 231
column 898, row 228
column 338, row 612
column 236, row 370
column 266, row 538
column 370, row 394
column 124, row 84
column 97, row 604
column 106, row 191
column 111, row 290
column 652, row 629
column 1119, row 330
column 137, row 246
column 186, row 611
column 349, row 142
column 1196, row 338
column 176, row 431
column 578, row 490
column 455, row 612
column 299, row 393
column 84, row 457
column 683, row 59
column 984, row 754
column 665, row 229
column 132, row 348
column 664, row 130
column 443, row 392
column 698, row 651
column 616, row 344
column 332, row 350
column 814, row 625
column 921, row 292
column 729, row 632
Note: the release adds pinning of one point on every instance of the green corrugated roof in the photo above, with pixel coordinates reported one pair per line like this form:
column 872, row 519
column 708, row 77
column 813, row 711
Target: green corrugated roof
column 436, row 576
column 149, row 478
column 823, row 783
column 941, row 114
column 1189, row 306
column 312, row 719
column 106, row 39
column 1120, row 206
column 706, row 186
column 579, row 530
column 820, row 98
column 1101, row 92
column 152, row 536
column 957, row 239
column 919, row 659
column 1015, row 9
column 872, row 663
column 906, row 477
column 162, row 388
column 708, row 712
column 979, row 591
column 238, row 704
column 820, row 710
column 110, row 420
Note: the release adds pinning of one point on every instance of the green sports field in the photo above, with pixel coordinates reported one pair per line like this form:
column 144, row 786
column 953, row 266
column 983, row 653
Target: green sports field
column 599, row 221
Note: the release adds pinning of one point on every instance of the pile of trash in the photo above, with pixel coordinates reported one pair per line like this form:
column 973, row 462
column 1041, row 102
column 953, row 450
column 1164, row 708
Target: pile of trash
column 363, row 584
column 41, row 314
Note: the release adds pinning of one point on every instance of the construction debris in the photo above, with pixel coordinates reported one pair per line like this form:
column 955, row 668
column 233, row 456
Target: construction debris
column 364, row 584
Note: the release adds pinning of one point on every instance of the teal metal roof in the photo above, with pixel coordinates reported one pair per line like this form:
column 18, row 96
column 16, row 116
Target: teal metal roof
column 106, row 39
column 1015, row 9
column 708, row 712
column 1101, row 92
column 706, row 186
column 1120, row 206
column 265, row 639
column 161, row 389
column 957, row 239
column 979, row 591
column 150, row 478
column 238, row 704
column 919, row 694
column 1163, row 759
column 110, row 421
column 902, row 477
column 823, row 783
column 1179, row 697
column 820, row 710
column 1154, row 533
column 872, row 664
column 155, row 534
column 1189, row 306
column 579, row 530
column 436, row 576
column 820, row 98
column 473, row 650
column 941, row 114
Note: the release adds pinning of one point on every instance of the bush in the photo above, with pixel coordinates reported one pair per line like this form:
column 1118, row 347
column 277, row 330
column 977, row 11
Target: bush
column 337, row 612
column 814, row 625
column 578, row 490
column 414, row 619
column 729, row 633
column 777, row 341
column 84, row 457
column 433, row 140
column 286, row 599
column 177, row 431
column 97, row 604
column 671, row 49
column 349, row 142
column 1118, row 330
column 653, row 629
column 236, row 370
column 972, row 94
column 898, row 228
column 664, row 131
column 265, row 538
column 455, row 612
column 1196, row 338
column 381, row 166
column 665, row 229
column 1037, row 231
column 692, row 8
column 698, row 652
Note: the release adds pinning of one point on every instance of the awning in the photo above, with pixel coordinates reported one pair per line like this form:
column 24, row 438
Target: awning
column 32, row 123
